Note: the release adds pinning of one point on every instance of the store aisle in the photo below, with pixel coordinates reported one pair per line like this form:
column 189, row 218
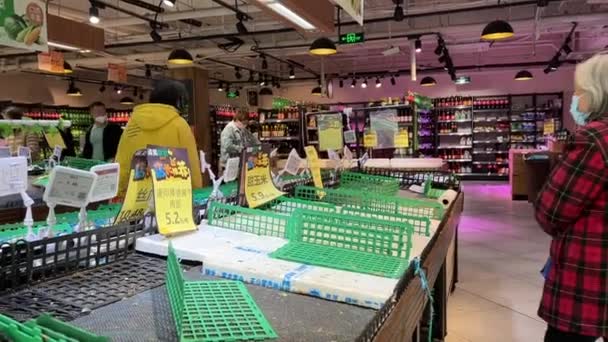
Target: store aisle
column 501, row 252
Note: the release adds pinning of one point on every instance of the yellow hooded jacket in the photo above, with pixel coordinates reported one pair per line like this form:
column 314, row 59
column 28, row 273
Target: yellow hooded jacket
column 156, row 124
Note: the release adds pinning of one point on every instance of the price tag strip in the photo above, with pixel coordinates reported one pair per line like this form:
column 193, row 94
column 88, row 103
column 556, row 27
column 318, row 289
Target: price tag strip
column 171, row 178
column 259, row 188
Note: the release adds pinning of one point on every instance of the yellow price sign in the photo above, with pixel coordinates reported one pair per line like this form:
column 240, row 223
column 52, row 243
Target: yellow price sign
column 139, row 190
column 259, row 188
column 548, row 127
column 370, row 139
column 54, row 139
column 313, row 164
column 402, row 139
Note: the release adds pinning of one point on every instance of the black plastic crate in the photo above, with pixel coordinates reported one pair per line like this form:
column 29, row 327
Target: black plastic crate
column 25, row 263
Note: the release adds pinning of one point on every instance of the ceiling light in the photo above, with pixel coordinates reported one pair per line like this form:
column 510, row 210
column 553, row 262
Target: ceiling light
column 398, row 14
column 72, row 90
column 67, row 68
column 316, row 91
column 169, row 3
column 497, row 30
column 393, row 81
column 341, row 83
column 266, row 91
column 240, row 26
column 418, row 45
column 323, row 47
column 180, row 57
column 118, row 90
column 261, row 80
column 127, row 101
column 264, row 63
column 292, row 73
column 378, row 82
column 102, row 88
column 63, row 46
column 463, row 80
column 148, row 71
column 353, row 83
column 93, row 14
column 428, row 82
column 523, row 75
column 220, row 87
column 237, row 73
column 155, row 36
column 288, row 14
column 364, row 84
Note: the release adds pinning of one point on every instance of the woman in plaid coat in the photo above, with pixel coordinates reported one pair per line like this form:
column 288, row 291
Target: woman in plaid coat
column 573, row 208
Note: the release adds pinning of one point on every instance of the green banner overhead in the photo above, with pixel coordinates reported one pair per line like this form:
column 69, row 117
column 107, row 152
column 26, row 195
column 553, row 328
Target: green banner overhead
column 23, row 24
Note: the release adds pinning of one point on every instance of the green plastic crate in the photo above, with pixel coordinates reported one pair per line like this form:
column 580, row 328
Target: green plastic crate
column 375, row 202
column 346, row 242
column 200, row 196
column 81, row 163
column 45, row 328
column 421, row 225
column 386, row 186
column 213, row 310
column 255, row 221
column 287, row 205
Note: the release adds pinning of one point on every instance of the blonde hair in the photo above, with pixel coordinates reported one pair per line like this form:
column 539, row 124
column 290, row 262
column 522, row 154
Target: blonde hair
column 591, row 77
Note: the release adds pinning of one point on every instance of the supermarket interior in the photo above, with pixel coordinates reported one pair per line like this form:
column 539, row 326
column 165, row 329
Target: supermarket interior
column 321, row 170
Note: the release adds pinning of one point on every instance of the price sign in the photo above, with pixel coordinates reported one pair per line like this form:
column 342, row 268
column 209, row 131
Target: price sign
column 54, row 139
column 330, row 131
column 139, row 191
column 293, row 163
column 170, row 170
column 259, row 188
column 313, row 165
column 350, row 137
column 549, row 127
column 402, row 139
column 370, row 139
column 232, row 169
column 13, row 175
column 69, row 187
column 106, row 186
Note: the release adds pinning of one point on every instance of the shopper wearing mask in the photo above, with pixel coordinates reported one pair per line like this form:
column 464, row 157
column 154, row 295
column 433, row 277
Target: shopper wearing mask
column 235, row 136
column 573, row 208
column 158, row 123
column 20, row 138
column 101, row 140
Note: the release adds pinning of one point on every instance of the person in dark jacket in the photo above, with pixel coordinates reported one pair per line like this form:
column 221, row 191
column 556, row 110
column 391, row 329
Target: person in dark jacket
column 572, row 208
column 102, row 138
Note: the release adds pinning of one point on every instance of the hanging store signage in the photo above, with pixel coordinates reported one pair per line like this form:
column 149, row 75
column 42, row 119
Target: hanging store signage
column 139, row 190
column 51, row 61
column 24, row 24
column 353, row 7
column 314, row 165
column 106, row 186
column 330, row 131
column 352, row 38
column 259, row 188
column 172, row 183
column 117, row 73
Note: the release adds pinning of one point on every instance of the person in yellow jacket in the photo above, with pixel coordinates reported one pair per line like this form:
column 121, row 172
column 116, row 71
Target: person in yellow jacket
column 158, row 123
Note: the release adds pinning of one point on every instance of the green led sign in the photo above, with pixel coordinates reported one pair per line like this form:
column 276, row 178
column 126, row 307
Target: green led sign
column 352, row 38
column 232, row 94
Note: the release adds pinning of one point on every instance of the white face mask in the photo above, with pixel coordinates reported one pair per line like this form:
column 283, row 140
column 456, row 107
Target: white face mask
column 101, row 119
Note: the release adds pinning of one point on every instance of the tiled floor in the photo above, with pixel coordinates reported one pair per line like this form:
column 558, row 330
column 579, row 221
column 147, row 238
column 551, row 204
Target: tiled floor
column 501, row 249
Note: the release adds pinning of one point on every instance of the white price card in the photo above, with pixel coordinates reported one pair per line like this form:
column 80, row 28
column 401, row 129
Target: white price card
column 69, row 187
column 232, row 169
column 106, row 186
column 5, row 152
column 13, row 175
column 293, row 163
column 57, row 152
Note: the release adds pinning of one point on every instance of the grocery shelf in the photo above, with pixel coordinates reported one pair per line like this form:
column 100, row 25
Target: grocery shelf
column 453, row 107
column 278, row 138
column 489, row 152
column 279, row 121
column 454, row 146
column 490, row 163
column 491, row 110
column 490, row 142
column 490, row 121
column 461, row 120
column 456, row 134
column 458, row 160
column 523, row 131
column 526, row 120
column 383, row 107
column 490, row 132
column 312, row 128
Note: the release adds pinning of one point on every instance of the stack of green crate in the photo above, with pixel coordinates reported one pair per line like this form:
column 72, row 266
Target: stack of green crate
column 45, row 328
column 421, row 225
column 254, row 221
column 81, row 163
column 387, row 186
column 349, row 243
column 213, row 310
column 287, row 205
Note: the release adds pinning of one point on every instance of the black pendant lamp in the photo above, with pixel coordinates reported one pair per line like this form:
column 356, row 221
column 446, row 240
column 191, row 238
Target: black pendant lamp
column 497, row 30
column 266, row 91
column 73, row 90
column 428, row 82
column 316, row 91
column 180, row 57
column 67, row 68
column 127, row 101
column 523, row 75
column 323, row 47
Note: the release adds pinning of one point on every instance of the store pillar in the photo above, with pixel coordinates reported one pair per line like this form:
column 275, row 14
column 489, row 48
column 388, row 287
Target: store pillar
column 196, row 82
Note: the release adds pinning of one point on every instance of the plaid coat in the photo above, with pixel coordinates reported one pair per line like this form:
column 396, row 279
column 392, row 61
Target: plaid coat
column 572, row 207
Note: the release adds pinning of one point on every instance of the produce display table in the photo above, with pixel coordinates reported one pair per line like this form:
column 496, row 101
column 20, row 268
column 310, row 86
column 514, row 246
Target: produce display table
column 146, row 315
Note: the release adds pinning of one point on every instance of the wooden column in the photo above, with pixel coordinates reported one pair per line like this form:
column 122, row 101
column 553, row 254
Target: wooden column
column 201, row 118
